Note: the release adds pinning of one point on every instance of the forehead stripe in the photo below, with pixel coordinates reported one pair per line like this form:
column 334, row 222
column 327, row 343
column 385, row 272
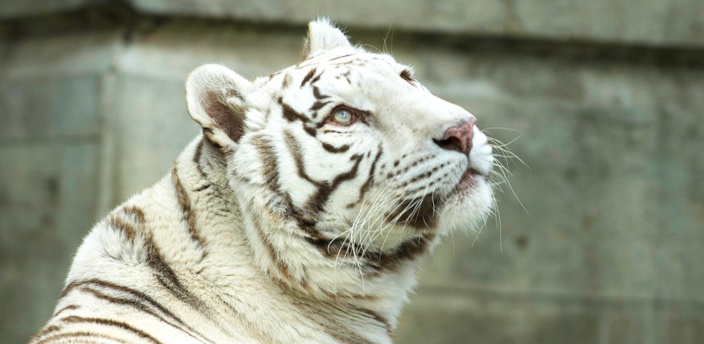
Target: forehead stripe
column 290, row 114
column 308, row 77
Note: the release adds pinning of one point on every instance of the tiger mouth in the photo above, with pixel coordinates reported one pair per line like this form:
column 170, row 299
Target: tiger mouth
column 467, row 181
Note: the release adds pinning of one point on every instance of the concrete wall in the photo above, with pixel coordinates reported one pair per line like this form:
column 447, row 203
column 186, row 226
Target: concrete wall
column 609, row 111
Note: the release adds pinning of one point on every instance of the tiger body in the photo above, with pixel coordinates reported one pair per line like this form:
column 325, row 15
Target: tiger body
column 300, row 215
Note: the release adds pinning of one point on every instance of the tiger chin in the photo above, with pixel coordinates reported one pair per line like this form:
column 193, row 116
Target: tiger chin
column 299, row 215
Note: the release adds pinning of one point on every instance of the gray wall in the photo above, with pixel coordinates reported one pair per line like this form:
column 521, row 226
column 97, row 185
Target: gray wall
column 606, row 97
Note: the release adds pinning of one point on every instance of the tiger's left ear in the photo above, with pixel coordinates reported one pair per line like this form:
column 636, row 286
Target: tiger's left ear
column 216, row 100
column 322, row 37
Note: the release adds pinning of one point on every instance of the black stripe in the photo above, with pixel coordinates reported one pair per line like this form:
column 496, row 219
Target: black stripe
column 73, row 319
column 46, row 330
column 295, row 150
column 136, row 213
column 134, row 303
column 333, row 149
column 306, row 219
column 370, row 179
column 196, row 158
column 339, row 57
column 202, row 187
column 287, row 80
column 376, row 316
column 342, row 333
column 122, row 226
column 166, row 276
column 317, row 106
column 280, row 265
column 317, row 77
column 138, row 295
column 310, row 131
column 67, row 308
column 186, row 210
column 290, row 114
column 317, row 94
column 327, row 131
column 407, row 250
column 308, row 76
column 346, row 74
column 318, row 201
column 80, row 334
column 269, row 161
column 271, row 179
column 132, row 292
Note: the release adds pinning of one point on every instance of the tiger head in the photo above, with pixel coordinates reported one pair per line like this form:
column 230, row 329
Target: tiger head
column 343, row 160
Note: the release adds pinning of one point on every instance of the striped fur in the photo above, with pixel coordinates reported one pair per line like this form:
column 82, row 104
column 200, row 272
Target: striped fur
column 298, row 216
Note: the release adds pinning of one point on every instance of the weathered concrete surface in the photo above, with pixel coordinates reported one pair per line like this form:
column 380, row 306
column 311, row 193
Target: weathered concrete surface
column 50, row 161
column 669, row 23
column 607, row 252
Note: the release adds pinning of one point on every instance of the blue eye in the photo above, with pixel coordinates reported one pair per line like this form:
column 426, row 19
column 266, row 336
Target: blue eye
column 342, row 116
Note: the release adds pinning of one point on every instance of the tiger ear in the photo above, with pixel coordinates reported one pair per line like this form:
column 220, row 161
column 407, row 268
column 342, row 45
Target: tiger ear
column 216, row 100
column 322, row 37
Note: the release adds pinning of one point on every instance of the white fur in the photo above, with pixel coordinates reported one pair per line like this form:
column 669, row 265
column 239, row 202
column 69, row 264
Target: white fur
column 251, row 267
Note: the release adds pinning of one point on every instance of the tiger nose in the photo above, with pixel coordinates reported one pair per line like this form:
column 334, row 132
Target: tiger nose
column 458, row 138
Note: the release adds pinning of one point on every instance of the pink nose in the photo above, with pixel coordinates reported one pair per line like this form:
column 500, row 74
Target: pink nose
column 458, row 138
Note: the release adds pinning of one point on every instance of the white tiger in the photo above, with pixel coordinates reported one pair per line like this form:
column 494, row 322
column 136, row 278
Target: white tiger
column 298, row 216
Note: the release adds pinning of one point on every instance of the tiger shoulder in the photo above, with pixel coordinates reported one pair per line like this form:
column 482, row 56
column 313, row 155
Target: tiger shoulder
column 300, row 214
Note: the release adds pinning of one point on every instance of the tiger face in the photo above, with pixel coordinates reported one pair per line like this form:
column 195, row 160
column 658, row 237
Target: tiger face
column 345, row 150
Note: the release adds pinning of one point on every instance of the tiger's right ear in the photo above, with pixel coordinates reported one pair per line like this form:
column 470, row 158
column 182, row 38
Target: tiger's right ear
column 216, row 100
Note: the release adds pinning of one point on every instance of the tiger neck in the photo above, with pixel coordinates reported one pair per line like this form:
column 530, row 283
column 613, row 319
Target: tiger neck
column 306, row 264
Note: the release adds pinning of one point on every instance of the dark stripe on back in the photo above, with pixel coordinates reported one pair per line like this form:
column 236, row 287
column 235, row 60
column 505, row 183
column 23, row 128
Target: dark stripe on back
column 196, row 158
column 67, row 308
column 139, row 297
column 136, row 213
column 122, row 226
column 73, row 319
column 45, row 331
column 135, row 303
column 78, row 334
column 166, row 276
column 187, row 212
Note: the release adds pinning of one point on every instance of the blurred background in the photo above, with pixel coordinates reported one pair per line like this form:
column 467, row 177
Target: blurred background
column 602, row 99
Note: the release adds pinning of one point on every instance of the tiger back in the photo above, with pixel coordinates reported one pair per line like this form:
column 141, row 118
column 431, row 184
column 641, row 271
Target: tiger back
column 299, row 215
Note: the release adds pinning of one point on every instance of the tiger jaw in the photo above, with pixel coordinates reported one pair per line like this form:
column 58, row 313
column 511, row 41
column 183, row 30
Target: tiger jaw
column 461, row 202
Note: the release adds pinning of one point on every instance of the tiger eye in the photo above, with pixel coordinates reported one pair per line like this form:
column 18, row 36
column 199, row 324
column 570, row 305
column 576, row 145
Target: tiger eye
column 342, row 116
